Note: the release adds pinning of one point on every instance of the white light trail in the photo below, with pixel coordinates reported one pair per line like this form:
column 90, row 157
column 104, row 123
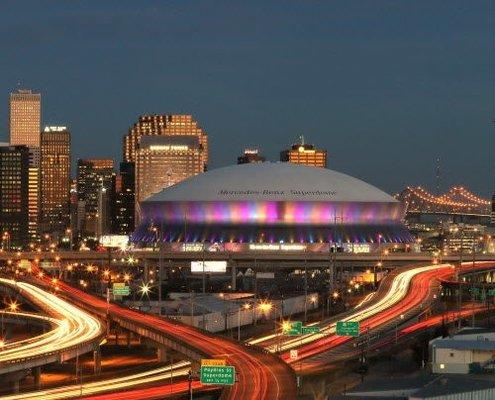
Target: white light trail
column 68, row 392
column 73, row 326
column 397, row 291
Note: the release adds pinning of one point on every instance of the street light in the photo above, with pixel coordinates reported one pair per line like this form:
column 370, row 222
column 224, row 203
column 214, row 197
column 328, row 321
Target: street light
column 13, row 306
column 396, row 327
column 68, row 231
column 145, row 289
column 6, row 236
column 245, row 306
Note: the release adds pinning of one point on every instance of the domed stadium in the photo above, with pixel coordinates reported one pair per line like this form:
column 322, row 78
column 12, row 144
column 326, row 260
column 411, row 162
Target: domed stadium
column 271, row 203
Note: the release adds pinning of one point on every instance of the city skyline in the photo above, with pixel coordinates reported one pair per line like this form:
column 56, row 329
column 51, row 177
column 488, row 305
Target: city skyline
column 418, row 90
column 247, row 200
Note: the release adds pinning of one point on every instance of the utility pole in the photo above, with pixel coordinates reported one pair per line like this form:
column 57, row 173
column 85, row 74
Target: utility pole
column 457, row 278
column 160, row 269
column 305, row 289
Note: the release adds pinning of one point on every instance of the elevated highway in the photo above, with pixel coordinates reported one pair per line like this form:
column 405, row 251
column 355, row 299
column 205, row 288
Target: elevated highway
column 240, row 259
column 410, row 293
column 73, row 332
column 260, row 375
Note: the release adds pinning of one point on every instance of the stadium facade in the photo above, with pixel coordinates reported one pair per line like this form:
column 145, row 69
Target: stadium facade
column 271, row 203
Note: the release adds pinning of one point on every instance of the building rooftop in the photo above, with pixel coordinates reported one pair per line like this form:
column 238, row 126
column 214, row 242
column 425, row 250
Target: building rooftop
column 452, row 384
column 273, row 182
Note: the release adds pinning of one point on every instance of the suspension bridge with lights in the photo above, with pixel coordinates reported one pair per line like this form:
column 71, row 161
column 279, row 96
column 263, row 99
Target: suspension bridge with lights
column 458, row 202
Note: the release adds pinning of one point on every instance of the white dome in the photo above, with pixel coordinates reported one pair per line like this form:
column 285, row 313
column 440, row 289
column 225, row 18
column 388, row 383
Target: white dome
column 272, row 182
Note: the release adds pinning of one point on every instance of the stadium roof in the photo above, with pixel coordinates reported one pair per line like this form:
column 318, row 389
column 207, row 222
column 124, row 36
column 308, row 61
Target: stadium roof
column 272, row 182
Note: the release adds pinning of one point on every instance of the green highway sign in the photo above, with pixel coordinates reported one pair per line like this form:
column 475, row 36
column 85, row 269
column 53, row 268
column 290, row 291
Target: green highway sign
column 475, row 290
column 309, row 330
column 121, row 291
column 348, row 328
column 295, row 329
column 491, row 292
column 217, row 375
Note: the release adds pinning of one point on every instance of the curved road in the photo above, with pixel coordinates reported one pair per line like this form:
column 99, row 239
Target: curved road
column 408, row 293
column 259, row 375
column 72, row 328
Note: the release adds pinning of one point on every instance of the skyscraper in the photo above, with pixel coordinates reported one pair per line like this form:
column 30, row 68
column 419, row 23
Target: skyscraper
column 250, row 156
column 93, row 175
column 24, row 129
column 25, row 118
column 163, row 125
column 55, row 179
column 175, row 156
column 163, row 161
column 14, row 169
column 124, row 200
column 34, row 193
column 305, row 154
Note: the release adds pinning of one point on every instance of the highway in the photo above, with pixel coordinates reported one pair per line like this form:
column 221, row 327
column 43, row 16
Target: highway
column 74, row 331
column 405, row 292
column 259, row 375
column 177, row 370
column 240, row 258
column 409, row 293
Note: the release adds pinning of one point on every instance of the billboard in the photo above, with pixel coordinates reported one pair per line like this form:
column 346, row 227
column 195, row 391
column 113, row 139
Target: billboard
column 209, row 266
column 119, row 241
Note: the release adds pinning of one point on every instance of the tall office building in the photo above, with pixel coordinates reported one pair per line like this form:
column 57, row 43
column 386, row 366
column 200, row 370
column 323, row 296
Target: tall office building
column 124, row 200
column 55, row 179
column 305, row 154
column 163, row 125
column 250, row 156
column 14, row 216
column 25, row 118
column 24, row 129
column 163, row 161
column 185, row 154
column 34, row 187
column 93, row 175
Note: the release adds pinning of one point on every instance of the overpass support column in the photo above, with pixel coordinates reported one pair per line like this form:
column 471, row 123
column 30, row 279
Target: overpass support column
column 15, row 386
column 97, row 361
column 37, row 377
column 162, row 354
column 128, row 338
column 234, row 277
column 146, row 270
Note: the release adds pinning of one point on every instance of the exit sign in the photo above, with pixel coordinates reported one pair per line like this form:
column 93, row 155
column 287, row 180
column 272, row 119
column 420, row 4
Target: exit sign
column 217, row 375
column 310, row 330
column 348, row 328
column 295, row 329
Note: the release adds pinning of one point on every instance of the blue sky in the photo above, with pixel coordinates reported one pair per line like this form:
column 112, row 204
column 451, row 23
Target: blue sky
column 385, row 86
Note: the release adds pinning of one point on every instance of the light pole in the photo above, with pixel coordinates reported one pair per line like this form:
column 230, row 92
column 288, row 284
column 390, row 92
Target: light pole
column 246, row 306
column 6, row 236
column 457, row 273
column 68, row 231
column 305, row 288
column 396, row 327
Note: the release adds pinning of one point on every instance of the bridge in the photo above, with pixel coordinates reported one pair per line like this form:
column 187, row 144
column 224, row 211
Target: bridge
column 458, row 202
column 242, row 259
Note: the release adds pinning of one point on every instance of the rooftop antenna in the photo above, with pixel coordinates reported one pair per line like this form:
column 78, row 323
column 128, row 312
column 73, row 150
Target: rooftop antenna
column 301, row 139
column 437, row 176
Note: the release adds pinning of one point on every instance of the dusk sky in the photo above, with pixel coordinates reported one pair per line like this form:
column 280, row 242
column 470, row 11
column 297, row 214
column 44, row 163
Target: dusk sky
column 385, row 86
